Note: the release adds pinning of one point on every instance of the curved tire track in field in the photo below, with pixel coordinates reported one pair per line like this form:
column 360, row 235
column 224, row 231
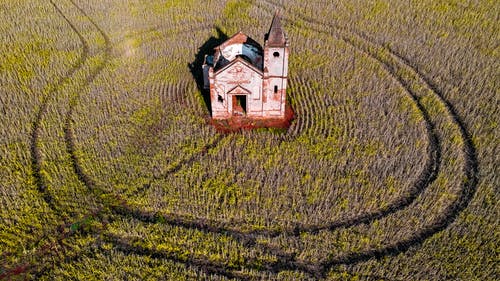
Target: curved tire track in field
column 174, row 93
column 205, row 266
column 450, row 214
column 35, row 151
column 426, row 177
column 470, row 168
column 190, row 160
column 212, row 267
column 120, row 207
column 36, row 154
column 68, row 133
column 68, row 130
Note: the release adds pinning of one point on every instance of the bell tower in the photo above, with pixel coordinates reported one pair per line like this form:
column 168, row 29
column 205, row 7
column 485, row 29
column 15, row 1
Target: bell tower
column 275, row 76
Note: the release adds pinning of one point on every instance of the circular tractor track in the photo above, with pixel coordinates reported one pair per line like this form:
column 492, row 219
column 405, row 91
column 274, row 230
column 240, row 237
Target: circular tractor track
column 36, row 154
column 119, row 206
column 470, row 168
column 35, row 149
column 249, row 238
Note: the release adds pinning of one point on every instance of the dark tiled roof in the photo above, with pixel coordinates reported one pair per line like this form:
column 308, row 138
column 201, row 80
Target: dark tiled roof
column 276, row 35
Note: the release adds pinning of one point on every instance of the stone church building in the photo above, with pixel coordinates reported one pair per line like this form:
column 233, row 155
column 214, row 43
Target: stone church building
column 247, row 80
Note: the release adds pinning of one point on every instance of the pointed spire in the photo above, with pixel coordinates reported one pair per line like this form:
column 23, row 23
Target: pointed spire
column 276, row 35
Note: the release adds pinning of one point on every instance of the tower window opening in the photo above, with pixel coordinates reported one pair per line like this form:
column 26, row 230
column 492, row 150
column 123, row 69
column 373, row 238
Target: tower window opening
column 220, row 99
column 275, row 89
column 276, row 54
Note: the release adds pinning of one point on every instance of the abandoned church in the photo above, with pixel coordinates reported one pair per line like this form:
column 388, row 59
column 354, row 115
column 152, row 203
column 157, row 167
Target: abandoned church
column 247, row 80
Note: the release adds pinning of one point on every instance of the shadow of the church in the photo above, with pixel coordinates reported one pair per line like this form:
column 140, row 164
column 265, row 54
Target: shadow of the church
column 207, row 48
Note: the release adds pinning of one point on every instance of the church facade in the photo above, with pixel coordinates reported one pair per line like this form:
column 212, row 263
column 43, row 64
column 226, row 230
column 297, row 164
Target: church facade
column 247, row 80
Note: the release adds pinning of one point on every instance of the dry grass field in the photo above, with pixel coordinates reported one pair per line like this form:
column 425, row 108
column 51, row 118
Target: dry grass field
column 109, row 169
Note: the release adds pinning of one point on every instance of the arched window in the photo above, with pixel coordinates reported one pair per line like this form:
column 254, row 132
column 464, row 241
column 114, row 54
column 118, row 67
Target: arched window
column 276, row 54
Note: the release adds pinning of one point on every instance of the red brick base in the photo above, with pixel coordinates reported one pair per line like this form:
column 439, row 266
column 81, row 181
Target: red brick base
column 236, row 123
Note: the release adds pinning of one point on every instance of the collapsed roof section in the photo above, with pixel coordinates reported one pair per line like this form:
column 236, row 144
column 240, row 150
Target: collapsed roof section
column 239, row 45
